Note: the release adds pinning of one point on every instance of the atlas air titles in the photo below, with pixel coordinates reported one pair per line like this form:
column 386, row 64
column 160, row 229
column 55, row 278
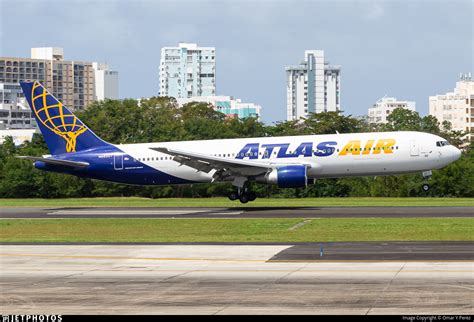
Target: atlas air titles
column 323, row 149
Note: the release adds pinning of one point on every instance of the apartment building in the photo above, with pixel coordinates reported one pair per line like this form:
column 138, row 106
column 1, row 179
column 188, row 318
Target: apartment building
column 228, row 105
column 14, row 110
column 379, row 112
column 187, row 71
column 313, row 86
column 456, row 107
column 72, row 82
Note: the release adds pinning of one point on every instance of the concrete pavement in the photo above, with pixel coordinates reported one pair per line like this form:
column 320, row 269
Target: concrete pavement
column 222, row 279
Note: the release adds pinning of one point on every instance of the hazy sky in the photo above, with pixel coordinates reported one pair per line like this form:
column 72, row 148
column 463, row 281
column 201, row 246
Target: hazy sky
column 406, row 49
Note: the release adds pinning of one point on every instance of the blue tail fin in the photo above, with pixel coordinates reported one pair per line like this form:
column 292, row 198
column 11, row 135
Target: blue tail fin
column 62, row 130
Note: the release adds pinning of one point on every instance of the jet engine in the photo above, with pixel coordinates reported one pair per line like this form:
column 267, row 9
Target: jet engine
column 290, row 176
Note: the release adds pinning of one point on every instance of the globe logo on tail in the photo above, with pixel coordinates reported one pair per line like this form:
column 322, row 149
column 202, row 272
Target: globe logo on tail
column 57, row 118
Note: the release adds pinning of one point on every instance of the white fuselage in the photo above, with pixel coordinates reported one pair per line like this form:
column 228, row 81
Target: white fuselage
column 333, row 155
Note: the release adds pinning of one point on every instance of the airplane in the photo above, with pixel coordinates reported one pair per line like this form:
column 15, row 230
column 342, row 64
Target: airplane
column 288, row 161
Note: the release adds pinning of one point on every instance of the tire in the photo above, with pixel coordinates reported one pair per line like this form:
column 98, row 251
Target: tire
column 233, row 196
column 252, row 196
column 425, row 187
column 244, row 198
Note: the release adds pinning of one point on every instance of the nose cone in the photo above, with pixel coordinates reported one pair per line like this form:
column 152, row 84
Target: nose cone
column 456, row 153
column 452, row 154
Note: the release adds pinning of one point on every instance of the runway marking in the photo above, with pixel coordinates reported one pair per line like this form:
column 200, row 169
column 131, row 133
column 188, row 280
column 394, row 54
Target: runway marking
column 133, row 258
column 226, row 213
column 139, row 212
column 125, row 212
column 222, row 259
column 301, row 224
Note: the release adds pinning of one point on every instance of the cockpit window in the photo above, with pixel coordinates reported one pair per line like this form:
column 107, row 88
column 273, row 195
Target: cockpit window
column 442, row 143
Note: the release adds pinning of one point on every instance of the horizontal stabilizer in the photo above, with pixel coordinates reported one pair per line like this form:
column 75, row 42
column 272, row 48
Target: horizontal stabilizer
column 64, row 163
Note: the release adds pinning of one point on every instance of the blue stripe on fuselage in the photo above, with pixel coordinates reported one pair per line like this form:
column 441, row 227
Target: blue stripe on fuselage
column 105, row 163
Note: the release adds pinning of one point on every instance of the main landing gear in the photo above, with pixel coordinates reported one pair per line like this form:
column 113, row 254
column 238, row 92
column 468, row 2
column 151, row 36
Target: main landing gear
column 243, row 194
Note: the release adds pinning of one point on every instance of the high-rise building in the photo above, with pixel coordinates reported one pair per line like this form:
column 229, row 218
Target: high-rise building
column 314, row 86
column 231, row 107
column 106, row 82
column 187, row 71
column 72, row 82
column 384, row 107
column 456, row 107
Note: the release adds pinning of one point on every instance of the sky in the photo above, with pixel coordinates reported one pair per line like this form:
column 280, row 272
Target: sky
column 405, row 49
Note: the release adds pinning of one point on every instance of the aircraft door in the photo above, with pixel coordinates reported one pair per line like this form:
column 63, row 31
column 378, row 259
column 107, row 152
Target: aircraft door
column 118, row 161
column 414, row 148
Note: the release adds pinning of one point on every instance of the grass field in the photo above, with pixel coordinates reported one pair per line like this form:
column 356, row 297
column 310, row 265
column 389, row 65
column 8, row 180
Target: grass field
column 224, row 202
column 236, row 230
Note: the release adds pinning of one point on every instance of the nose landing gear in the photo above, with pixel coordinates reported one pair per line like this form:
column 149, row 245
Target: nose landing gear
column 426, row 175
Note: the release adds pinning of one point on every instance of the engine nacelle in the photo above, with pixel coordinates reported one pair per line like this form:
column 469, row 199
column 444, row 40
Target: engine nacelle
column 290, row 176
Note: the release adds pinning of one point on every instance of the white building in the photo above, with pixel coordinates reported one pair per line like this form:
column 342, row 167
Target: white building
column 233, row 108
column 187, row 71
column 18, row 136
column 456, row 107
column 106, row 82
column 47, row 53
column 14, row 110
column 379, row 112
column 314, row 86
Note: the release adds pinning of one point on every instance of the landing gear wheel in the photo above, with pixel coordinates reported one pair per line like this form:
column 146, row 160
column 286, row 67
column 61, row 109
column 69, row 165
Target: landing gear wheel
column 252, row 196
column 233, row 196
column 244, row 198
column 425, row 187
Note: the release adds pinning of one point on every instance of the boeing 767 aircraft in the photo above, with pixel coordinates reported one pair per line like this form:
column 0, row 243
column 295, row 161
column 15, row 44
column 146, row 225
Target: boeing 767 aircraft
column 288, row 161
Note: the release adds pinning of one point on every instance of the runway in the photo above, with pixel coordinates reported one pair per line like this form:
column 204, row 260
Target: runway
column 238, row 278
column 299, row 212
column 225, row 279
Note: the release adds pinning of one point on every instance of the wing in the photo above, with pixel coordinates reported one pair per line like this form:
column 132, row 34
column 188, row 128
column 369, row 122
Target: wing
column 224, row 167
column 64, row 163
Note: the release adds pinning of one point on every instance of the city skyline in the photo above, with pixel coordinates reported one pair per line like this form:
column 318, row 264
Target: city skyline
column 398, row 48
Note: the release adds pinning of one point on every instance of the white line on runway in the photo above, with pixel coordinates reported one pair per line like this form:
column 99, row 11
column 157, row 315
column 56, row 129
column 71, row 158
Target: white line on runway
column 138, row 212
